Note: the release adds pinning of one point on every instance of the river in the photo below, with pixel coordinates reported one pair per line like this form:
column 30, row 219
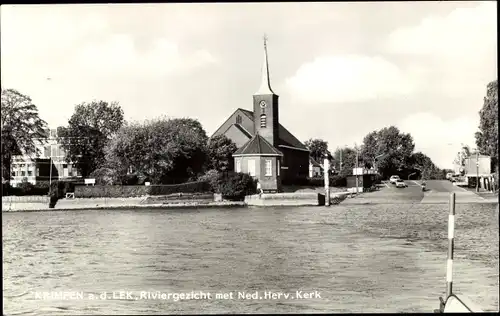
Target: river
column 355, row 258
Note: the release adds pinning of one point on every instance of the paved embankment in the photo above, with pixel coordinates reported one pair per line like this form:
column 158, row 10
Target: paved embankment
column 294, row 199
column 113, row 203
column 15, row 203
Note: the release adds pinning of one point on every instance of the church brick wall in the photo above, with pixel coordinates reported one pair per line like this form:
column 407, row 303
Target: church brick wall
column 297, row 162
column 268, row 183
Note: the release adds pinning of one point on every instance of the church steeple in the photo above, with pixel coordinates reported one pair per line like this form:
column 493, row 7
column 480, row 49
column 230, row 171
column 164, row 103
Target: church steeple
column 265, row 85
column 265, row 106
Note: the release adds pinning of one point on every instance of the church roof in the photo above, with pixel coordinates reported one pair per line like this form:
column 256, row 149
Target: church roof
column 285, row 137
column 265, row 84
column 243, row 130
column 258, row 145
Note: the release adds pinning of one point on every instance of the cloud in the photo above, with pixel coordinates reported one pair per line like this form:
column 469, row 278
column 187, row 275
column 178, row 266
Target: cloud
column 351, row 78
column 119, row 55
column 463, row 33
column 438, row 138
column 460, row 48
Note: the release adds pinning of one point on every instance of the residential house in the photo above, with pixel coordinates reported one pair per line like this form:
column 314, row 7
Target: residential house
column 36, row 169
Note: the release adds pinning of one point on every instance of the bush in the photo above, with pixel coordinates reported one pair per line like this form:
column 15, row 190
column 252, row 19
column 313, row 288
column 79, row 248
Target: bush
column 26, row 187
column 130, row 179
column 378, row 179
column 40, row 188
column 213, row 178
column 59, row 188
column 104, row 176
column 234, row 186
column 7, row 189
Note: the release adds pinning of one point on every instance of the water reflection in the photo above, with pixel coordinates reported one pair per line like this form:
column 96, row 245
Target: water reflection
column 336, row 251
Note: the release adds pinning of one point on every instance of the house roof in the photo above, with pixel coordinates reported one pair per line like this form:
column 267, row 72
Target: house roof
column 258, row 145
column 315, row 163
column 286, row 138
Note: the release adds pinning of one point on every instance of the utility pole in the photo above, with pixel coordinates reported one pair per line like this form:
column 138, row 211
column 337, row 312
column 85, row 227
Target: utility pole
column 340, row 166
column 326, row 163
column 477, row 170
column 50, row 166
column 357, row 181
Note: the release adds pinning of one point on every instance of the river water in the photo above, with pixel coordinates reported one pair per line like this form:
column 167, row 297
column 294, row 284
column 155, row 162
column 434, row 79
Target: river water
column 355, row 258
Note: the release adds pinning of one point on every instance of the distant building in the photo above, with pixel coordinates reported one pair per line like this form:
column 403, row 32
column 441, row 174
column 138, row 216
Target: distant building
column 478, row 169
column 37, row 169
column 315, row 168
column 266, row 150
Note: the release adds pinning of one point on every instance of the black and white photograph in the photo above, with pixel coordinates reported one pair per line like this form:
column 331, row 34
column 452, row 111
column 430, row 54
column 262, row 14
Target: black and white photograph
column 249, row 158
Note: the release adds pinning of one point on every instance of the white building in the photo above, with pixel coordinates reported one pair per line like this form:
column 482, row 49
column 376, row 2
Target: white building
column 37, row 169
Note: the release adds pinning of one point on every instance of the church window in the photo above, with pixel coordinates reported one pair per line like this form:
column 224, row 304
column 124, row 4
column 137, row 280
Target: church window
column 238, row 165
column 238, row 119
column 263, row 120
column 251, row 167
column 269, row 168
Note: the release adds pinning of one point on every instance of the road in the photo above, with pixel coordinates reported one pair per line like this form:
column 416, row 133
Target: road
column 437, row 192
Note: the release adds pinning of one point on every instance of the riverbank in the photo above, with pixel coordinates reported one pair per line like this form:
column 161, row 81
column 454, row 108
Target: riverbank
column 113, row 204
column 288, row 199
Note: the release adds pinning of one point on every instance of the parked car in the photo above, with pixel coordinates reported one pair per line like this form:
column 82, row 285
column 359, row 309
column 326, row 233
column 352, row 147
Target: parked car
column 393, row 179
column 449, row 176
column 400, row 184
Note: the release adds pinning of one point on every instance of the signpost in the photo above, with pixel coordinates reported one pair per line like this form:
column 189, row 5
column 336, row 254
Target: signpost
column 89, row 181
column 326, row 172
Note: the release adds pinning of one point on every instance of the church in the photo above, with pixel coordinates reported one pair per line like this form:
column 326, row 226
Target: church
column 266, row 150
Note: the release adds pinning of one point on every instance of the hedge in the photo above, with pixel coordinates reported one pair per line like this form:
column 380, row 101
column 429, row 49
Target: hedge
column 26, row 188
column 110, row 191
column 334, row 181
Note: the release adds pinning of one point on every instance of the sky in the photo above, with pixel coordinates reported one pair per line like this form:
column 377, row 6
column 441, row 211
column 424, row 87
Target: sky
column 341, row 70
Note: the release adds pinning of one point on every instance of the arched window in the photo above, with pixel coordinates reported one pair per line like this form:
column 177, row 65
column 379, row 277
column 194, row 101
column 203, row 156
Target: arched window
column 263, row 120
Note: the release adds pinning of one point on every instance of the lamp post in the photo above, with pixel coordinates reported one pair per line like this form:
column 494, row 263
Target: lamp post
column 326, row 162
column 50, row 166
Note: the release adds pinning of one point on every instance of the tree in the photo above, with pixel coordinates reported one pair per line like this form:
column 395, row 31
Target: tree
column 487, row 136
column 105, row 176
column 89, row 129
column 220, row 151
column 317, row 148
column 395, row 146
column 21, row 125
column 369, row 149
column 425, row 167
column 163, row 150
column 348, row 160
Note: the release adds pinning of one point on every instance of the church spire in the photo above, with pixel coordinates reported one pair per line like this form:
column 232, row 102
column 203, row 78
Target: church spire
column 265, row 85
